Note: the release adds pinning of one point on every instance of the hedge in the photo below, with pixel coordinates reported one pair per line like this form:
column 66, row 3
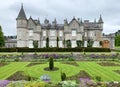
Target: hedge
column 81, row 49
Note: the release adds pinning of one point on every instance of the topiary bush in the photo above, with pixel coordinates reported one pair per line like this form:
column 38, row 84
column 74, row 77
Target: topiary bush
column 63, row 76
column 55, row 49
column 51, row 64
column 16, row 59
column 98, row 78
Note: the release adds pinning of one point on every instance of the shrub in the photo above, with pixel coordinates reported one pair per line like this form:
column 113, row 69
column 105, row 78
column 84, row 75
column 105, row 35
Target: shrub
column 98, row 78
column 71, row 59
column 16, row 59
column 77, row 49
column 63, row 76
column 29, row 78
column 7, row 49
column 51, row 64
column 69, row 84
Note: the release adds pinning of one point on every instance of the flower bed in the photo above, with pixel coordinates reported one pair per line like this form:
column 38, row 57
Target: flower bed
column 81, row 74
column 108, row 64
column 4, row 83
column 20, row 76
column 117, row 71
column 35, row 63
column 70, row 63
column 3, row 64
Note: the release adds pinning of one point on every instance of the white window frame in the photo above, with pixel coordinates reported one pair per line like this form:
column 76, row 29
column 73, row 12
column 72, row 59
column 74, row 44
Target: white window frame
column 30, row 32
column 74, row 32
column 85, row 34
column 44, row 43
column 52, row 44
column 91, row 33
column 60, row 44
column 20, row 34
column 60, row 33
column 30, row 44
column 44, row 33
column 52, row 32
column 74, row 43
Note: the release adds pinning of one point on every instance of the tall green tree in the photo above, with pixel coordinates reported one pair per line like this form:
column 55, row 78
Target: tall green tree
column 2, row 40
column 79, row 43
column 117, row 40
column 35, row 44
column 57, row 41
column 90, row 43
column 47, row 42
column 68, row 43
column 64, row 43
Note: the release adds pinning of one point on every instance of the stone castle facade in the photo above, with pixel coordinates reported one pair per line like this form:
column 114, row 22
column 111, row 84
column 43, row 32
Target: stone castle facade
column 30, row 30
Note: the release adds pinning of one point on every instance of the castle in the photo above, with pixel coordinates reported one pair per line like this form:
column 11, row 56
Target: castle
column 30, row 30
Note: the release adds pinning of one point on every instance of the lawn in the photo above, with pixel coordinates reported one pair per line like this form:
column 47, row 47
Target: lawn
column 92, row 68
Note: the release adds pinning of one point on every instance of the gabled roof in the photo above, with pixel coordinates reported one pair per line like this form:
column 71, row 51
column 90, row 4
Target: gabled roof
column 38, row 22
column 34, row 21
column 21, row 14
column 74, row 20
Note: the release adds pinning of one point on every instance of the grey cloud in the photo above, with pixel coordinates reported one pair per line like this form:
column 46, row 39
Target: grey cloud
column 61, row 9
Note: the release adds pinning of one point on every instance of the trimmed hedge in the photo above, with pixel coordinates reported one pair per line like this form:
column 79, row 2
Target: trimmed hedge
column 7, row 49
column 81, row 49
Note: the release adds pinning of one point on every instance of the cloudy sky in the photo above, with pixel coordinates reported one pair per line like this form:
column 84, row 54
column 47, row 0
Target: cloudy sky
column 61, row 9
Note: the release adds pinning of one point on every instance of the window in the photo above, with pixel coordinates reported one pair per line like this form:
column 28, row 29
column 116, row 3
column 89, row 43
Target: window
column 85, row 34
column 91, row 33
column 52, row 33
column 30, row 44
column 44, row 33
column 44, row 43
column 60, row 33
column 74, row 43
column 73, row 32
column 60, row 44
column 30, row 32
column 52, row 44
column 19, row 33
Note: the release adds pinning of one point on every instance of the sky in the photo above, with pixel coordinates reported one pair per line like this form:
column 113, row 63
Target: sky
column 61, row 9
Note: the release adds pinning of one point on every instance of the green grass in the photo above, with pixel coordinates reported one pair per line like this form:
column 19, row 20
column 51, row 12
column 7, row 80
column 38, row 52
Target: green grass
column 92, row 68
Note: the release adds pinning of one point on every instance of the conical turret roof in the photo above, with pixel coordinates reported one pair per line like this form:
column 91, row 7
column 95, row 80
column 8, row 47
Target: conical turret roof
column 100, row 20
column 21, row 14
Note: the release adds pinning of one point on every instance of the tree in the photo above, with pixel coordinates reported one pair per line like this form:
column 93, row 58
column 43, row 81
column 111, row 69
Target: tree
column 101, row 43
column 90, row 43
column 51, row 63
column 68, row 43
column 2, row 40
column 57, row 41
column 79, row 43
column 35, row 44
column 64, row 43
column 47, row 42
column 63, row 76
column 117, row 40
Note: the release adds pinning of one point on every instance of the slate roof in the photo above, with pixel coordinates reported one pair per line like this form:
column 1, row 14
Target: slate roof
column 21, row 14
column 51, row 26
column 90, row 25
column 100, row 20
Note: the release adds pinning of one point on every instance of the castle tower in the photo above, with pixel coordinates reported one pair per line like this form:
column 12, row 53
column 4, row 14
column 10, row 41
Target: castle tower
column 100, row 22
column 21, row 28
column 38, row 35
